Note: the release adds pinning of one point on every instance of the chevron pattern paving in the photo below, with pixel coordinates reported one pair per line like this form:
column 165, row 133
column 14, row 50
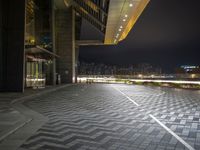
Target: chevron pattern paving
column 178, row 109
column 97, row 117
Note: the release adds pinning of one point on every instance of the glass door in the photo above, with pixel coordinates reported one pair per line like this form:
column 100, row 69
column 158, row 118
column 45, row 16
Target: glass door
column 35, row 76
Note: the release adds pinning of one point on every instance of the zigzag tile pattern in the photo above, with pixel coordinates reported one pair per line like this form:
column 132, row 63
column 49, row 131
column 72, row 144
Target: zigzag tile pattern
column 178, row 109
column 97, row 117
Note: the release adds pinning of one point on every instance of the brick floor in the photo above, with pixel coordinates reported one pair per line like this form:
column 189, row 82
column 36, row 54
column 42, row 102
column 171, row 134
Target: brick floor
column 178, row 109
column 10, row 118
column 99, row 117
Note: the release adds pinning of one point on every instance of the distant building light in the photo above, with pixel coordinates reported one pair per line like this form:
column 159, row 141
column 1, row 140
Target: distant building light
column 189, row 67
column 152, row 76
column 124, row 20
column 140, row 75
column 130, row 5
column 126, row 16
column 193, row 75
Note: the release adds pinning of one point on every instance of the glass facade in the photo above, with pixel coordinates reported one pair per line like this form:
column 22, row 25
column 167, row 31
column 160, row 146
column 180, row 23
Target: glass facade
column 94, row 11
column 38, row 44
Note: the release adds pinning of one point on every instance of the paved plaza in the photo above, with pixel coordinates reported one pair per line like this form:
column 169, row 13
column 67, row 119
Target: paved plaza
column 114, row 117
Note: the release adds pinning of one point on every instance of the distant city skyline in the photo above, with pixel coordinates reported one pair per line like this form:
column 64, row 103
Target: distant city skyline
column 140, row 71
column 104, row 69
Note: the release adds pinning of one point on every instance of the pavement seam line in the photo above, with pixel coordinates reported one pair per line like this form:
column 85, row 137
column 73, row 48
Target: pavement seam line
column 160, row 123
column 127, row 97
column 14, row 130
column 172, row 133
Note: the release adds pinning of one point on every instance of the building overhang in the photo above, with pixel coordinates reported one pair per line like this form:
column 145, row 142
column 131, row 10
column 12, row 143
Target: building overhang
column 122, row 16
column 36, row 51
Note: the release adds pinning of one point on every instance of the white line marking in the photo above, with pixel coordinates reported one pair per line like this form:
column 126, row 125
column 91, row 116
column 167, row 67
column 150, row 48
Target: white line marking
column 160, row 123
column 126, row 96
column 172, row 133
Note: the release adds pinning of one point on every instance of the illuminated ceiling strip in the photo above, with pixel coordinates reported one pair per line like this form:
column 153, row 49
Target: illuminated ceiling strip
column 125, row 18
column 134, row 18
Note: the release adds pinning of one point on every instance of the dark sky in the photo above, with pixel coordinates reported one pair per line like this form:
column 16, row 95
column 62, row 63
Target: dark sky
column 167, row 34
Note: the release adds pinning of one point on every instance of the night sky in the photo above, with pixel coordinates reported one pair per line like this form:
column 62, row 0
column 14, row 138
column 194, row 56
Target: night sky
column 167, row 35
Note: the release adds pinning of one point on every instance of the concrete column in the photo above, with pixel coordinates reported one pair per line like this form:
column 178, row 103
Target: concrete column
column 76, row 63
column 53, row 31
column 65, row 44
column 1, row 49
column 43, row 16
column 13, row 13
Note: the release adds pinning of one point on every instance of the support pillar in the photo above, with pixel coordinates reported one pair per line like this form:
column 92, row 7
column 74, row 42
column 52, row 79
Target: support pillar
column 53, row 31
column 65, row 44
column 76, row 64
column 1, row 48
column 13, row 25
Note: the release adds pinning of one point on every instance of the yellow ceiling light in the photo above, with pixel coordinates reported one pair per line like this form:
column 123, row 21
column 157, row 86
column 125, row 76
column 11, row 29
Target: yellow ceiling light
column 122, row 16
column 133, row 18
